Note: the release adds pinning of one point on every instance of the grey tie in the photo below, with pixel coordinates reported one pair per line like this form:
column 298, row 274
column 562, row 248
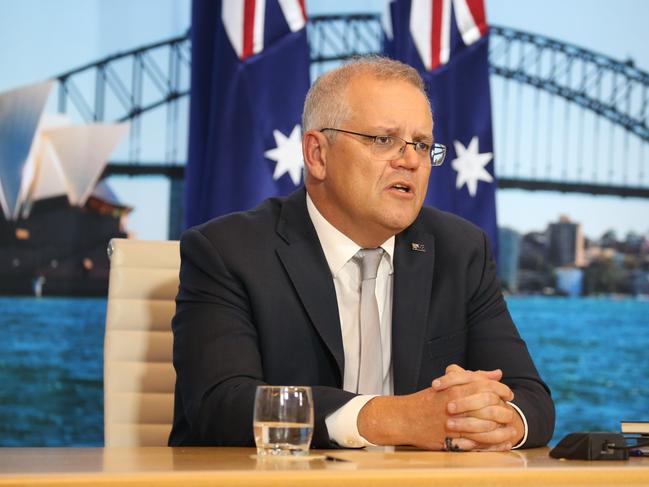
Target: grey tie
column 370, row 368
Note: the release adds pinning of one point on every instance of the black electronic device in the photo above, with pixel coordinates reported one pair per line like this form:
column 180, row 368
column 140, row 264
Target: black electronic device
column 598, row 445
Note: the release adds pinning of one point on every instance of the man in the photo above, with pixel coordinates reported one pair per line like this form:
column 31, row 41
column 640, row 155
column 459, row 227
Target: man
column 276, row 295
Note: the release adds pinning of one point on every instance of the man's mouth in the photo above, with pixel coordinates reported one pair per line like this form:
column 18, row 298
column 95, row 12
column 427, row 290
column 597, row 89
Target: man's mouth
column 402, row 188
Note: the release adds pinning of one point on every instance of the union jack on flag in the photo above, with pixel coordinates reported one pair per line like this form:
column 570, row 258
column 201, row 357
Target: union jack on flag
column 244, row 22
column 430, row 24
column 250, row 74
column 447, row 41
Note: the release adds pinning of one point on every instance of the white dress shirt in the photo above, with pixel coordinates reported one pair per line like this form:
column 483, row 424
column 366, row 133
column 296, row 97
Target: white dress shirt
column 339, row 251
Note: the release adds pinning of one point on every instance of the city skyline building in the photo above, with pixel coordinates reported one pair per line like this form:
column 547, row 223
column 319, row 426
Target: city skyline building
column 510, row 249
column 566, row 243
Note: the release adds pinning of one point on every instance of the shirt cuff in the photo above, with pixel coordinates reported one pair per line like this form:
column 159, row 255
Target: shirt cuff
column 342, row 423
column 520, row 413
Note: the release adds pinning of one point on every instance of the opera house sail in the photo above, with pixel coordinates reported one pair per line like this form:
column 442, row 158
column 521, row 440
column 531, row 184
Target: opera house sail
column 57, row 215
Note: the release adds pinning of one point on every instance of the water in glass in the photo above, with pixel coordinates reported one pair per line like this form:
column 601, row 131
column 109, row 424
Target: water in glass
column 283, row 420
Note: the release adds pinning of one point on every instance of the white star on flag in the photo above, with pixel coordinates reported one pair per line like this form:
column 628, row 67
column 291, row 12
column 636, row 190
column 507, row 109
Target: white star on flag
column 470, row 165
column 287, row 154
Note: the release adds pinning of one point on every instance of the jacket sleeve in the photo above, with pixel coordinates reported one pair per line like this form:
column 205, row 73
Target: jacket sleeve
column 494, row 342
column 217, row 356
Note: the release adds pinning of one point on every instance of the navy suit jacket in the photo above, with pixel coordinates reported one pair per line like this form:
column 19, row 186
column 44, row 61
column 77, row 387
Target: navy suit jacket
column 257, row 305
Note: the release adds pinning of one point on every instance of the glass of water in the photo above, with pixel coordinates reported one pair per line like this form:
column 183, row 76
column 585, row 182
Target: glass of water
column 283, row 420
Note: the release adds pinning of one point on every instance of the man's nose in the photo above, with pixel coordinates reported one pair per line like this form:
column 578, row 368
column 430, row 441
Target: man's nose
column 408, row 158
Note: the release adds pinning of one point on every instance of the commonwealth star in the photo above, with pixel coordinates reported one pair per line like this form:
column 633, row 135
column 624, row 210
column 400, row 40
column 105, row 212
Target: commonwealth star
column 470, row 166
column 287, row 154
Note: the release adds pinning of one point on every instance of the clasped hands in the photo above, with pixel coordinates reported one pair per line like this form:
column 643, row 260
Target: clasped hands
column 478, row 414
column 470, row 407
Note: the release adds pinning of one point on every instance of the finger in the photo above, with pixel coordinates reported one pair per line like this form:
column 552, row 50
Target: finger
column 471, row 425
column 499, row 413
column 486, row 393
column 473, row 403
column 462, row 444
column 453, row 368
column 499, row 435
column 451, row 379
column 455, row 375
column 495, row 374
column 506, row 446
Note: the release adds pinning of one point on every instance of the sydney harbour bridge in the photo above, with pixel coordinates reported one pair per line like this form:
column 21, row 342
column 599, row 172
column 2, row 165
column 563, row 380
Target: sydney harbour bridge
column 565, row 118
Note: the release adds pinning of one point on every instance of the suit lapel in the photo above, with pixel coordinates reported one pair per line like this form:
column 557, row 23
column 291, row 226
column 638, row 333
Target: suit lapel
column 308, row 270
column 414, row 258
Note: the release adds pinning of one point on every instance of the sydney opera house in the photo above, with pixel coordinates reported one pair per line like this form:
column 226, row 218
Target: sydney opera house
column 57, row 214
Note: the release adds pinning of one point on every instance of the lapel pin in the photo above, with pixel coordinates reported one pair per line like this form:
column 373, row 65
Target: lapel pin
column 418, row 247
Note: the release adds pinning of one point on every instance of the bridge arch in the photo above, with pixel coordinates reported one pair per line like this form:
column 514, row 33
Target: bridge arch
column 130, row 85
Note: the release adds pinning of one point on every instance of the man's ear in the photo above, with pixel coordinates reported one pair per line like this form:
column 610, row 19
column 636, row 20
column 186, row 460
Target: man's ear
column 315, row 146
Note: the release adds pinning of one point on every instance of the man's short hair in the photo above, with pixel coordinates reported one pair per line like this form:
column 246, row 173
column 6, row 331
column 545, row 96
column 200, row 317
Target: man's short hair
column 326, row 105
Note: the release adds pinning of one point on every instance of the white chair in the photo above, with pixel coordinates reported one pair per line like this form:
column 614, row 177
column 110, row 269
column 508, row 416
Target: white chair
column 138, row 373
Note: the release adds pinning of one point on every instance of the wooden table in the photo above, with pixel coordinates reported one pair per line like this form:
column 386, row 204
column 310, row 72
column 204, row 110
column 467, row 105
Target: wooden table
column 239, row 467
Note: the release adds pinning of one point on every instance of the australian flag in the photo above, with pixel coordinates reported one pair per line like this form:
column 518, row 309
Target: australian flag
column 250, row 74
column 447, row 41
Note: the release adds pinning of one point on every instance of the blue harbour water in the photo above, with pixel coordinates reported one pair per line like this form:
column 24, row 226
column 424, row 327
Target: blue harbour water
column 594, row 355
column 592, row 352
column 51, row 367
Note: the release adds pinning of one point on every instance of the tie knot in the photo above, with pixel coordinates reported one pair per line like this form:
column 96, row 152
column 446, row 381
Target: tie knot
column 369, row 260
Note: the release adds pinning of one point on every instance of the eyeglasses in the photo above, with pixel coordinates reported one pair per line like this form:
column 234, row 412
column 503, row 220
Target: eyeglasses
column 391, row 147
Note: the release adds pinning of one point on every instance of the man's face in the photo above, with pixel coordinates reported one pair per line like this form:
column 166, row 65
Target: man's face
column 370, row 199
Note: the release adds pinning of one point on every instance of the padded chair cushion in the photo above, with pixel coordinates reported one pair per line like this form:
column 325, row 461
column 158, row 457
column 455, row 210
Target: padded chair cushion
column 138, row 373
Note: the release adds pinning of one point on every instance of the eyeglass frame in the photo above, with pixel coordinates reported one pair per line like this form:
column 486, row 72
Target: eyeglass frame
column 431, row 152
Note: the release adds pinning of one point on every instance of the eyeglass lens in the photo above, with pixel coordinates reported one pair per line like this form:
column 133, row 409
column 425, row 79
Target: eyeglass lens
column 393, row 148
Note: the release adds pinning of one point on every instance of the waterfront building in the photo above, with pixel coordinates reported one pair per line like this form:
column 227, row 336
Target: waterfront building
column 509, row 242
column 534, row 273
column 56, row 215
column 569, row 281
column 566, row 244
column 640, row 282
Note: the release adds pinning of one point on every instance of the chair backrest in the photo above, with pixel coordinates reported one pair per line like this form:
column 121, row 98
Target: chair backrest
column 138, row 373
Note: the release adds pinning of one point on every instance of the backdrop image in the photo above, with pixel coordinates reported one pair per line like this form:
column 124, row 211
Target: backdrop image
column 167, row 123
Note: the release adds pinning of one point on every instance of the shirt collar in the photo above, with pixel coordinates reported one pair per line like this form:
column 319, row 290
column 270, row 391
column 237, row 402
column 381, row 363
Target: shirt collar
column 337, row 247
